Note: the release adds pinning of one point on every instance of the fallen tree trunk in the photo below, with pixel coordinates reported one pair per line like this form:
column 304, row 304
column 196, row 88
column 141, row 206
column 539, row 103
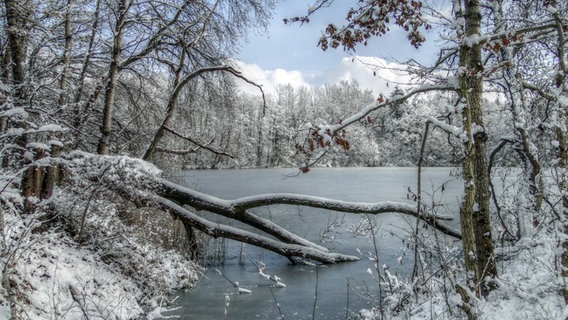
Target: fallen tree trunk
column 138, row 181
column 238, row 208
column 217, row 230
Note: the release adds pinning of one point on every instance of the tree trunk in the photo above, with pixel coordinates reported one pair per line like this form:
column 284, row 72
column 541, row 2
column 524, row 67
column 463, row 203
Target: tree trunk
column 16, row 15
column 563, row 183
column 81, row 83
column 191, row 239
column 66, row 56
column 216, row 230
column 259, row 136
column 474, row 212
column 114, row 70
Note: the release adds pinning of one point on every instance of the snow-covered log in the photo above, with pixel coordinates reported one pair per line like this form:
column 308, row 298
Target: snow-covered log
column 237, row 209
column 217, row 230
column 140, row 181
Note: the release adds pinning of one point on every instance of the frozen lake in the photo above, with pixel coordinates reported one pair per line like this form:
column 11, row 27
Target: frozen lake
column 342, row 289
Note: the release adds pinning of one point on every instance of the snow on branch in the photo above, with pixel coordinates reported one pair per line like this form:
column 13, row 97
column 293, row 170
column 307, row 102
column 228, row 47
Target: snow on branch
column 223, row 68
column 505, row 38
column 239, row 207
column 216, row 230
column 323, row 203
column 117, row 173
column 383, row 102
column 324, row 136
column 448, row 128
column 344, row 206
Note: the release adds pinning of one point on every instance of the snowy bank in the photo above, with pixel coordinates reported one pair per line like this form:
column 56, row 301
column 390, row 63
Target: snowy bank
column 83, row 254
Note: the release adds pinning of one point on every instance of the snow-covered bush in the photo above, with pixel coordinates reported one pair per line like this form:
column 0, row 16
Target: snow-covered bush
column 87, row 252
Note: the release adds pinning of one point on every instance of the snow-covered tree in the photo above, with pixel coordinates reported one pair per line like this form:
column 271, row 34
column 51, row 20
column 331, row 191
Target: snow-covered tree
column 486, row 50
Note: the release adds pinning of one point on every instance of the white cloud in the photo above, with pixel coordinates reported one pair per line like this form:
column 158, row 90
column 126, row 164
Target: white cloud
column 371, row 73
column 269, row 79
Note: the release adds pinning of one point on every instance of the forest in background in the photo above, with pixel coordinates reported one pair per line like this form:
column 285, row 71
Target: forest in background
column 96, row 95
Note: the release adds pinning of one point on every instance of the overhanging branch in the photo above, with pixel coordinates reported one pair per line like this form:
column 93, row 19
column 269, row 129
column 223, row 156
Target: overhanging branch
column 220, row 230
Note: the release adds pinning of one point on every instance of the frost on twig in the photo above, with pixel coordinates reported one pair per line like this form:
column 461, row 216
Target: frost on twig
column 275, row 278
column 235, row 284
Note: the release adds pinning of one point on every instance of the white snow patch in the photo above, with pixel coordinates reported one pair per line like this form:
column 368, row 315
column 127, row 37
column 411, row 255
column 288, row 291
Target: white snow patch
column 51, row 128
column 15, row 112
column 37, row 145
column 112, row 275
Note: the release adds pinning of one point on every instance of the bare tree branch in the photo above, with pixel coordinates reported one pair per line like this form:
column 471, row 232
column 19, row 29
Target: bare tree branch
column 172, row 101
column 200, row 145
column 381, row 103
column 237, row 209
column 220, row 230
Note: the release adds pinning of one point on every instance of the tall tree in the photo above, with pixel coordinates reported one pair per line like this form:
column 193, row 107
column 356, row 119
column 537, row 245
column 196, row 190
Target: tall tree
column 370, row 19
column 473, row 68
column 17, row 17
column 474, row 211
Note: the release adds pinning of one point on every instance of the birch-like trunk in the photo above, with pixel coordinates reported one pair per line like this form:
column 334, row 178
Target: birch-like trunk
column 66, row 55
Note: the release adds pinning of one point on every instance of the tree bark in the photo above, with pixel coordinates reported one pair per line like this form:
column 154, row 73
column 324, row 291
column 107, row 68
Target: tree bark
column 81, row 82
column 220, row 230
column 16, row 15
column 474, row 212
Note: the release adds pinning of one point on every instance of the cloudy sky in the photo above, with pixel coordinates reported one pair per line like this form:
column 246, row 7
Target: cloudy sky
column 289, row 53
